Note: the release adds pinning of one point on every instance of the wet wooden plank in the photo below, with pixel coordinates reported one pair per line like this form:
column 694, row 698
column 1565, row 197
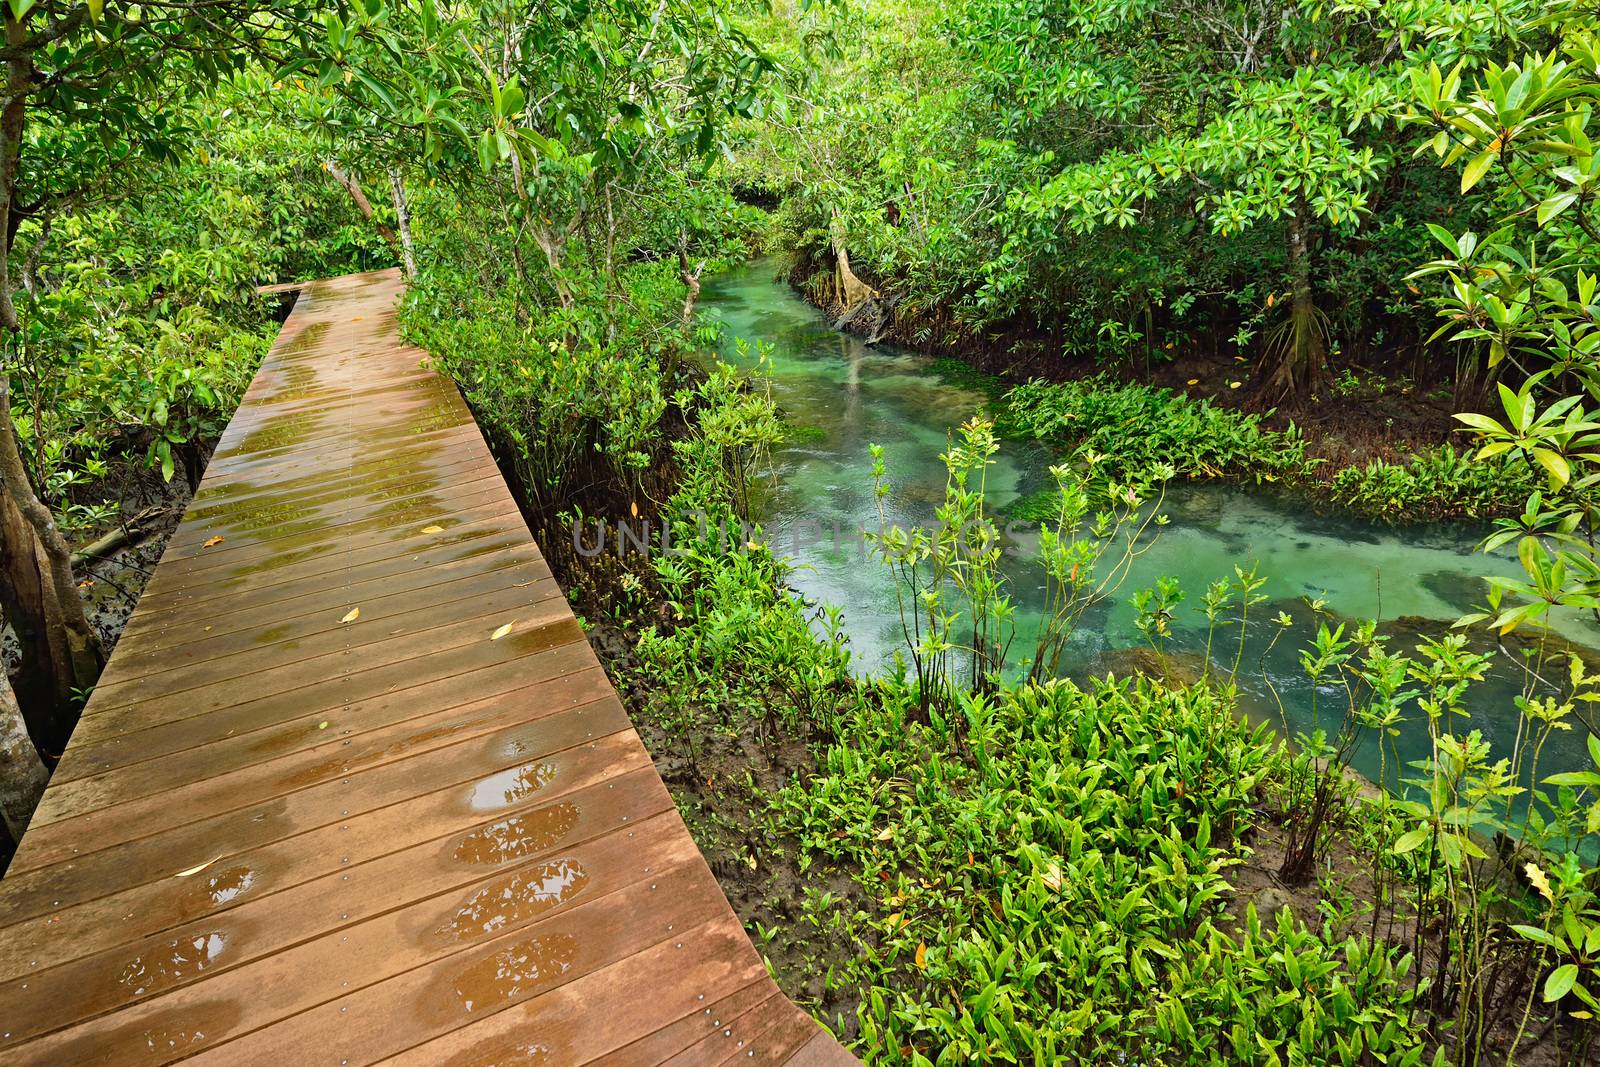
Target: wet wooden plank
column 282, row 833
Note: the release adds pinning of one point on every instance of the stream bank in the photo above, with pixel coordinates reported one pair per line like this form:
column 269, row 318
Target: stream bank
column 1375, row 442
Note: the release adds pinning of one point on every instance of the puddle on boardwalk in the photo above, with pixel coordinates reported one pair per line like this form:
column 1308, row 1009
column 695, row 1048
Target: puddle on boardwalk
column 518, row 836
column 512, row 786
column 227, row 886
column 296, row 381
column 514, row 972
column 279, row 433
column 276, row 561
column 405, row 512
column 517, row 898
column 361, row 758
column 264, row 517
column 437, row 418
column 162, row 968
column 310, row 334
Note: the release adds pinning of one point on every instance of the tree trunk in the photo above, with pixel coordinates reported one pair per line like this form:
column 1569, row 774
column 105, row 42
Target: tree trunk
column 402, row 216
column 22, row 772
column 42, row 596
column 1303, row 352
column 364, row 206
column 852, row 291
column 44, row 678
column 553, row 246
column 690, row 278
column 61, row 650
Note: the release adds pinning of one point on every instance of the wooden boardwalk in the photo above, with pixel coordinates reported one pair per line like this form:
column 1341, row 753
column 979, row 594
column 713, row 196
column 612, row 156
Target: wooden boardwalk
column 317, row 812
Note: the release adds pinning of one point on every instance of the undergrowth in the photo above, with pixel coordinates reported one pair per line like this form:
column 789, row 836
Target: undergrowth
column 1120, row 427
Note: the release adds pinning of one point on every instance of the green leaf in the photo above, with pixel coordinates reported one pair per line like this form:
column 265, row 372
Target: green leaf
column 1479, row 422
column 1577, row 779
column 1475, row 170
column 1560, row 982
column 1556, row 464
column 1543, row 937
column 511, row 99
column 1555, row 205
column 1444, row 237
column 1410, row 840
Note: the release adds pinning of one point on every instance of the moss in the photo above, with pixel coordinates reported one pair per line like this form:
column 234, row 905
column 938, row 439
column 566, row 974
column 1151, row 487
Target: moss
column 794, row 434
column 1041, row 505
column 961, row 373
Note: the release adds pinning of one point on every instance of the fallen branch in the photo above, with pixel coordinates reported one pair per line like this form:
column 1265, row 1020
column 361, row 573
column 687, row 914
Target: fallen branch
column 129, row 532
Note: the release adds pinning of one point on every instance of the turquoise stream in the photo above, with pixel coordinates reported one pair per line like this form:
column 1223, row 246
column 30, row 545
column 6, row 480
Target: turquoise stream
column 842, row 396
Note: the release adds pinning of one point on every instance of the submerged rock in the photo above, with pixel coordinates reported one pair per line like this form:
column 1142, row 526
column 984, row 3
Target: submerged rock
column 1174, row 668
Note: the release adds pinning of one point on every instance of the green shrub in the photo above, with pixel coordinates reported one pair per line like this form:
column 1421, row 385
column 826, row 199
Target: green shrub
column 1434, row 484
column 1133, row 427
column 1051, row 887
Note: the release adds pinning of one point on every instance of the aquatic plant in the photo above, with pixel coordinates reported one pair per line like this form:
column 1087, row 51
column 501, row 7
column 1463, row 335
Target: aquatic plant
column 1127, row 428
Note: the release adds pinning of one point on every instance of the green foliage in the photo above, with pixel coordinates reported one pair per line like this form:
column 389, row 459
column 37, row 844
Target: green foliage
column 140, row 336
column 1524, row 295
column 1116, row 428
column 1133, row 179
column 140, row 324
column 955, row 612
column 561, row 389
column 1436, row 483
column 1119, row 429
column 308, row 226
column 1051, row 887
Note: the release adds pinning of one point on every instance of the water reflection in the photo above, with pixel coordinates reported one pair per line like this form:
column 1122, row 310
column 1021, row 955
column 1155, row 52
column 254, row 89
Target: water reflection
column 512, row 786
column 163, row 968
column 517, row 898
column 519, row 835
column 514, row 972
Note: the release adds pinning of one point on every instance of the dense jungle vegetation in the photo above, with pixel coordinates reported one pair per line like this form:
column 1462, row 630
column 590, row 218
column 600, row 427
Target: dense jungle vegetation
column 1345, row 251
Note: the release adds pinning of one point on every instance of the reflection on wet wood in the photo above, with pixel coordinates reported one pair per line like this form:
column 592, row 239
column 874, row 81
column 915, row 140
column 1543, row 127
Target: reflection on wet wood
column 316, row 812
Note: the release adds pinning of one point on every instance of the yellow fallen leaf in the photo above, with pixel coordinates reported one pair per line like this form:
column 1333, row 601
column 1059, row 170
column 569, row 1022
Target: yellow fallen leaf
column 922, row 956
column 196, row 870
column 323, row 725
column 498, row 634
column 1537, row 879
column 633, row 508
column 896, row 921
column 886, row 834
column 352, row 615
column 433, row 529
column 212, row 541
column 1052, row 876
column 1234, row 385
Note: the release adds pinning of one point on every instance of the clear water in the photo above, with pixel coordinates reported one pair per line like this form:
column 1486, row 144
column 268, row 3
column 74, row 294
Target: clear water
column 844, row 396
